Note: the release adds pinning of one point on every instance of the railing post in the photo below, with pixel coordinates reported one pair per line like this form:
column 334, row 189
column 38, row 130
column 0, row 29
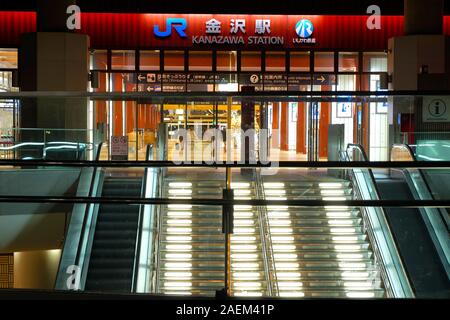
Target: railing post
column 227, row 229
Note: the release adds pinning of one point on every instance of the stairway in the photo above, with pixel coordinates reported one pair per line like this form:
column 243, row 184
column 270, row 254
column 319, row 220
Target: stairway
column 317, row 252
column 113, row 249
column 191, row 254
column 323, row 251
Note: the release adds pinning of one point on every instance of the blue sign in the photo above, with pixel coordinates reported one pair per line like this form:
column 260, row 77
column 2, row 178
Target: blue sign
column 304, row 28
column 179, row 24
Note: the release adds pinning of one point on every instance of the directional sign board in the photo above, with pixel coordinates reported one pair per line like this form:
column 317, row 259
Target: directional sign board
column 436, row 109
column 324, row 79
column 119, row 148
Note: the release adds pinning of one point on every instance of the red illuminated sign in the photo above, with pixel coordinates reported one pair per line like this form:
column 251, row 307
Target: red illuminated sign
column 132, row 31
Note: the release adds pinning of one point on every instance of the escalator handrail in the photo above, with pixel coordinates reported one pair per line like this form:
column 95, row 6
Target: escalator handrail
column 437, row 237
column 86, row 212
column 137, row 255
column 361, row 149
column 406, row 282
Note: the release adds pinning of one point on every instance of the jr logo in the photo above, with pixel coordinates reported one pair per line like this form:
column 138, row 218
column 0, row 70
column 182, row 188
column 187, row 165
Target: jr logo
column 179, row 24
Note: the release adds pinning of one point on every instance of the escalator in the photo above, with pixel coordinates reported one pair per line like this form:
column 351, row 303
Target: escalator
column 113, row 251
column 103, row 244
column 413, row 234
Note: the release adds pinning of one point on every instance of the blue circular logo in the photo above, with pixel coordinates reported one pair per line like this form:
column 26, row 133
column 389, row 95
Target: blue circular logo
column 304, row 28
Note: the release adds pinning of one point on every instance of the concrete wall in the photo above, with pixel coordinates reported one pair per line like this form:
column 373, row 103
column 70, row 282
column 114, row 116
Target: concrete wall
column 36, row 269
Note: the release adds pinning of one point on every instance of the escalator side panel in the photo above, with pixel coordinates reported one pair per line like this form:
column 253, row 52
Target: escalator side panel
column 416, row 247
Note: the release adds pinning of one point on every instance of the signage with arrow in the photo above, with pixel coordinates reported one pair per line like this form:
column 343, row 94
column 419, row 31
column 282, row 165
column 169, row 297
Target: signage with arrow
column 324, row 79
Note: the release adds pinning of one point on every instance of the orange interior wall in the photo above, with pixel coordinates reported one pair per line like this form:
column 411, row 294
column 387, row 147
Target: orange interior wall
column 301, row 125
column 275, row 125
column 100, row 106
column 325, row 109
column 284, row 126
column 117, row 105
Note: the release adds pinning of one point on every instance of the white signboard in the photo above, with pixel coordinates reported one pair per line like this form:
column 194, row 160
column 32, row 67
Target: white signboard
column 436, row 109
column 119, row 148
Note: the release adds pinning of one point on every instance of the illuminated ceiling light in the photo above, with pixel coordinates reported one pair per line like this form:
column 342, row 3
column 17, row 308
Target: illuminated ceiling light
column 178, row 238
column 330, row 185
column 179, row 111
column 242, row 198
column 180, row 206
column 180, row 184
column 179, row 222
column 332, row 192
column 360, row 294
column 274, row 185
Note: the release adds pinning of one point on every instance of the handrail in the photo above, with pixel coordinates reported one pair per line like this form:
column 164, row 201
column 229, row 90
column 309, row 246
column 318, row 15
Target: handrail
column 266, row 241
column 385, row 247
column 137, row 255
column 438, row 228
column 235, row 164
column 86, row 212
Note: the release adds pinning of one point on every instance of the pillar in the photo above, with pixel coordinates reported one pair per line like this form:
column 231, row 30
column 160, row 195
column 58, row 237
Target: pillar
column 54, row 59
column 276, row 125
column 301, row 125
column 284, row 126
column 423, row 17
